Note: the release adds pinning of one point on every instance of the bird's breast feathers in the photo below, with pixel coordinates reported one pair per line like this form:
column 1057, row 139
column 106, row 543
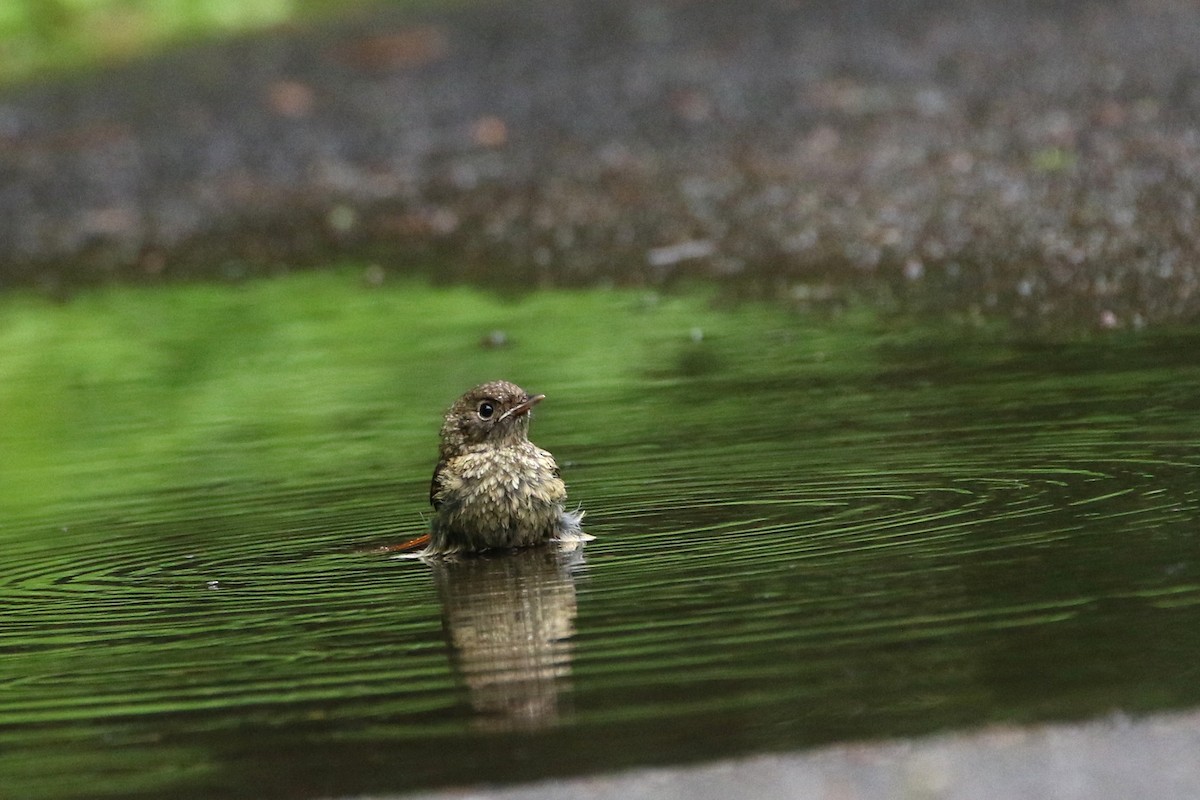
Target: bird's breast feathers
column 505, row 476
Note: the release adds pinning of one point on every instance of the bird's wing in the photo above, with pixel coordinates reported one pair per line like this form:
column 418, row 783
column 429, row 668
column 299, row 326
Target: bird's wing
column 435, row 485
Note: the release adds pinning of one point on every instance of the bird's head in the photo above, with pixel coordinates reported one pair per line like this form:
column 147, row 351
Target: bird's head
column 492, row 413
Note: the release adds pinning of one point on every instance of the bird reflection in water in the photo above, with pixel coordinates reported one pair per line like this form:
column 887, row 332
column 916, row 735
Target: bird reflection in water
column 509, row 619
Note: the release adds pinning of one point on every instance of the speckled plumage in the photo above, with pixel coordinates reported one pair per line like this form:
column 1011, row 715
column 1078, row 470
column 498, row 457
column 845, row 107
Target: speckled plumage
column 492, row 487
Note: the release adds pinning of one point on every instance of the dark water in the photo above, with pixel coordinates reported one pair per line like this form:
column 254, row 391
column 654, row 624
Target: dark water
column 944, row 535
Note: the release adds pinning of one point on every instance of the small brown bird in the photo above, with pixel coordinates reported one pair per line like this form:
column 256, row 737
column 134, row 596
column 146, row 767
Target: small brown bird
column 492, row 487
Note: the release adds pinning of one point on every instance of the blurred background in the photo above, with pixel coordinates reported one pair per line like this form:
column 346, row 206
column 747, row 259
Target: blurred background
column 1034, row 162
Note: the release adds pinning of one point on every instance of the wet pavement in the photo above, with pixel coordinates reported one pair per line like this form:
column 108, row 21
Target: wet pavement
column 1112, row 759
column 1032, row 161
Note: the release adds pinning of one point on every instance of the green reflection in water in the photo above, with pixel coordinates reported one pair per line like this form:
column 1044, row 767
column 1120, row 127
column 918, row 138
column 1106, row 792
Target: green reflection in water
column 126, row 391
column 808, row 530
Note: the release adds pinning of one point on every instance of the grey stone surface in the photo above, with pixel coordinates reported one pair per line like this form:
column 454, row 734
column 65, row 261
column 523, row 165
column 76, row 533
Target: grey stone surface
column 1037, row 161
column 1113, row 759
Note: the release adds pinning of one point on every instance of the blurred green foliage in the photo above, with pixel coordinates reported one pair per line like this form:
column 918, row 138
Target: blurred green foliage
column 39, row 36
column 126, row 390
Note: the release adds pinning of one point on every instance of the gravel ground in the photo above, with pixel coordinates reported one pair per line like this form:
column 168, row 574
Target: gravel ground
column 1114, row 759
column 1037, row 160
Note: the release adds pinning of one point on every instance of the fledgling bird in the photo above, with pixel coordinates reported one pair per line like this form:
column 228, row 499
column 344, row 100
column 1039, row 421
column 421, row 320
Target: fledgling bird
column 493, row 488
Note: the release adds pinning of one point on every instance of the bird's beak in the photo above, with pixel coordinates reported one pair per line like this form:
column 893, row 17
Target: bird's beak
column 524, row 408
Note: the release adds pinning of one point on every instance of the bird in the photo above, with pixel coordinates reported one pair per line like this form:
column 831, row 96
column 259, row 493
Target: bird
column 492, row 488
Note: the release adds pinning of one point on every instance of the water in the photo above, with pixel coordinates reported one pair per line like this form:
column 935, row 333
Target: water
column 808, row 530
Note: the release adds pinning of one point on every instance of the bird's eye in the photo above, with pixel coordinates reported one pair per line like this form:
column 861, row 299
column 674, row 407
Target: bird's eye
column 486, row 410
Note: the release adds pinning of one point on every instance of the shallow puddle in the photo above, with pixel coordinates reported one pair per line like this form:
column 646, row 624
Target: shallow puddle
column 807, row 531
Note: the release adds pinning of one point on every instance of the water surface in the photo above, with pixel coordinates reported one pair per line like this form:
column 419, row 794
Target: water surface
column 808, row 530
